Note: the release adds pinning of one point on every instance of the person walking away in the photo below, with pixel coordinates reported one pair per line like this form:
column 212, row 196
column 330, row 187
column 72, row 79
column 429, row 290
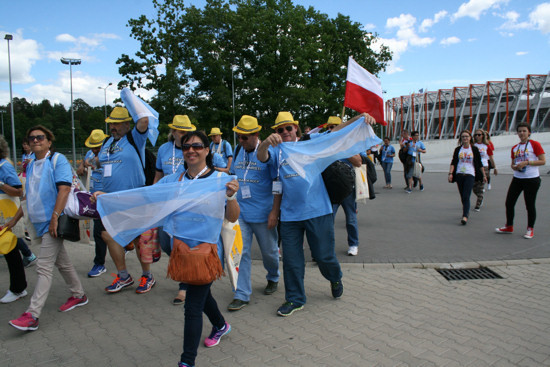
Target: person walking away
column 386, row 160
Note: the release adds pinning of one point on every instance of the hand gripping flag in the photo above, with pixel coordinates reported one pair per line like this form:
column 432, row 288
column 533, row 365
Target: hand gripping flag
column 309, row 158
column 364, row 92
column 139, row 109
column 187, row 209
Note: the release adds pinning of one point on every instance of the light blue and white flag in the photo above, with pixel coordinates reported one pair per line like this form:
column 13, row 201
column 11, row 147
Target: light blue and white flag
column 310, row 158
column 190, row 209
column 138, row 108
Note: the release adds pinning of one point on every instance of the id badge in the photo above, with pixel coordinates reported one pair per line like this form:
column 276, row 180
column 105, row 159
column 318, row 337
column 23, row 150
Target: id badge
column 245, row 192
column 277, row 187
column 414, row 154
column 107, row 170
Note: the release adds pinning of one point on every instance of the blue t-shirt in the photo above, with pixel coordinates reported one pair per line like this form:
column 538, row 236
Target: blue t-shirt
column 122, row 167
column 218, row 161
column 413, row 148
column 169, row 158
column 97, row 172
column 8, row 175
column 42, row 191
column 259, row 178
column 386, row 151
column 225, row 150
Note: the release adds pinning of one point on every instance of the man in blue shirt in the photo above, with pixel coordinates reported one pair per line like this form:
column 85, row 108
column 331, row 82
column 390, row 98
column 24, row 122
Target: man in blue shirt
column 259, row 211
column 222, row 148
column 415, row 147
column 123, row 170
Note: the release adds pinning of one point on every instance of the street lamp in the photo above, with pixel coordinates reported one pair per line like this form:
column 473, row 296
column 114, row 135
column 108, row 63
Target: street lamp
column 72, row 62
column 8, row 38
column 2, row 112
column 233, row 96
column 105, row 90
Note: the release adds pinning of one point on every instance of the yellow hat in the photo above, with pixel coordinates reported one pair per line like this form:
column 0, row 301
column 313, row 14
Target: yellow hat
column 182, row 122
column 247, row 125
column 215, row 131
column 334, row 120
column 96, row 138
column 7, row 241
column 118, row 114
column 284, row 118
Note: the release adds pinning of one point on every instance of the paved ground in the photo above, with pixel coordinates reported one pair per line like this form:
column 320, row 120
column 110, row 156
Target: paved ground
column 396, row 309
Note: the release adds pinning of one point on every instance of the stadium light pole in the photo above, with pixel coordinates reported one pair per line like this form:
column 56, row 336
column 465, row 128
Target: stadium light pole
column 105, row 90
column 72, row 62
column 8, row 38
column 2, row 112
column 233, row 96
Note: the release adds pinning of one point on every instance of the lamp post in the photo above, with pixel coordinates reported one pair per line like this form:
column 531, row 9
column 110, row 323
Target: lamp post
column 2, row 112
column 105, row 90
column 233, row 96
column 8, row 38
column 72, row 62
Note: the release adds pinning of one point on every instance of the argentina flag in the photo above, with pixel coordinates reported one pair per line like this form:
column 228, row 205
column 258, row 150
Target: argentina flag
column 309, row 158
column 188, row 209
column 138, row 108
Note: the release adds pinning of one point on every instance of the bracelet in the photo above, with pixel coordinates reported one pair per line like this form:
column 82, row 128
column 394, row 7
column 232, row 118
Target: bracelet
column 232, row 197
column 56, row 213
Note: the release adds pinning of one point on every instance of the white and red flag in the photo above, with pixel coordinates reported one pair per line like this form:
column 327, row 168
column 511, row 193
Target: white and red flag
column 364, row 92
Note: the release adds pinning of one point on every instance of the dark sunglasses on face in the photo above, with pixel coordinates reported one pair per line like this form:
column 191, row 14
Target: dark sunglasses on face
column 330, row 127
column 281, row 129
column 196, row 147
column 36, row 137
column 478, row 134
column 242, row 137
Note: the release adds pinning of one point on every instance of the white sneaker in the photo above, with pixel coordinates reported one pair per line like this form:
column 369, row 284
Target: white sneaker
column 488, row 186
column 352, row 251
column 12, row 297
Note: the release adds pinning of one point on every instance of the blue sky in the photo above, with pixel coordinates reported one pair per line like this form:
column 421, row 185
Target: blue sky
column 436, row 44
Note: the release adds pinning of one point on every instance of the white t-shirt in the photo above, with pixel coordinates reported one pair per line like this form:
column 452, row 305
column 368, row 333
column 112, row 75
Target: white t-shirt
column 466, row 162
column 527, row 152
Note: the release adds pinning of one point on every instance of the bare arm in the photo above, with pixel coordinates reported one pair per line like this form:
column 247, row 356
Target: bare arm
column 232, row 209
column 273, row 216
column 12, row 191
column 158, row 176
column 368, row 120
column 263, row 153
column 60, row 203
column 142, row 124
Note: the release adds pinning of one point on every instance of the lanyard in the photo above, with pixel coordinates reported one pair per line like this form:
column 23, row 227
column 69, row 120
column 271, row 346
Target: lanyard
column 524, row 149
column 113, row 146
column 248, row 161
column 197, row 176
column 174, row 166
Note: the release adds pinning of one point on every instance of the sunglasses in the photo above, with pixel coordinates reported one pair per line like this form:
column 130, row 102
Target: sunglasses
column 478, row 134
column 197, row 147
column 288, row 128
column 330, row 127
column 242, row 137
column 36, row 137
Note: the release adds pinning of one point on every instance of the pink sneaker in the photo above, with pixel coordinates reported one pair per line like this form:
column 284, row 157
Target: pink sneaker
column 25, row 322
column 505, row 229
column 73, row 302
column 529, row 234
column 216, row 335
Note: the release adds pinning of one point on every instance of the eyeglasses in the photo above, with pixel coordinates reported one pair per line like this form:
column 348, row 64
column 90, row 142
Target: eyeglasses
column 242, row 137
column 478, row 134
column 197, row 147
column 281, row 130
column 32, row 138
column 330, row 127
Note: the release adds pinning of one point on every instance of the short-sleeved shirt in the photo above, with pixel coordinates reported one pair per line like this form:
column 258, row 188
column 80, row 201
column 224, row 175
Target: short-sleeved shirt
column 97, row 172
column 218, row 161
column 259, row 180
column 485, row 152
column 386, row 151
column 527, row 152
column 126, row 168
column 8, row 175
column 465, row 163
column 169, row 158
column 224, row 149
column 414, row 147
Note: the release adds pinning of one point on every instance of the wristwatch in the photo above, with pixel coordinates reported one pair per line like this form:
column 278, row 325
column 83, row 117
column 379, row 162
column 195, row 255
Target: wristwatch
column 2, row 183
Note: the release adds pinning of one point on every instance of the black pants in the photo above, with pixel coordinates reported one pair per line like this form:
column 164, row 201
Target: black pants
column 530, row 188
column 18, row 280
column 465, row 183
column 100, row 245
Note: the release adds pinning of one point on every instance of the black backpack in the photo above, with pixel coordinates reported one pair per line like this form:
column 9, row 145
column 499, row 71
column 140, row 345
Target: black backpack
column 150, row 161
column 339, row 180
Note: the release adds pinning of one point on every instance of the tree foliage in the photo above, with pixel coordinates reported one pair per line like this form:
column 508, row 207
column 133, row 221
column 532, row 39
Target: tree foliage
column 280, row 56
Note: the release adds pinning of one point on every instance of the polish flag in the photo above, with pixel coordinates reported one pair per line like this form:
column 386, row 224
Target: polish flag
column 364, row 92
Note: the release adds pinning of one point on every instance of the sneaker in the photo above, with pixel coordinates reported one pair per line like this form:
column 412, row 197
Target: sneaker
column 237, row 304
column 337, row 288
column 181, row 364
column 288, row 308
column 477, row 208
column 73, row 302
column 12, row 297
column 29, row 260
column 145, row 284
column 118, row 284
column 529, row 234
column 96, row 271
column 353, row 250
column 216, row 335
column 408, row 191
column 25, row 322
column 505, row 229
column 271, row 287
column 488, row 186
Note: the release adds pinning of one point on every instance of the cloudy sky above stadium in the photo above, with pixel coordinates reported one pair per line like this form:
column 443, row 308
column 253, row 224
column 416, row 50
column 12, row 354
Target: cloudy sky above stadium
column 436, row 44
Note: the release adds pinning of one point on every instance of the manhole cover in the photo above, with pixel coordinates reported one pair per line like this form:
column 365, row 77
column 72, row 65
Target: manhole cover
column 467, row 274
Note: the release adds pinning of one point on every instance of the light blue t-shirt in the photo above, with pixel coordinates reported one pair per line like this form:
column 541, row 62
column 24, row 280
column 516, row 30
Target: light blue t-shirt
column 42, row 195
column 169, row 158
column 126, row 168
column 413, row 148
column 225, row 151
column 8, row 175
column 97, row 173
column 259, row 180
column 218, row 161
column 386, row 151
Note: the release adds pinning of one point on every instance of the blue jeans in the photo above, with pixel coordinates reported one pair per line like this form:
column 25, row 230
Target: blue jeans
column 465, row 184
column 166, row 246
column 320, row 237
column 267, row 240
column 350, row 210
column 198, row 300
column 386, row 166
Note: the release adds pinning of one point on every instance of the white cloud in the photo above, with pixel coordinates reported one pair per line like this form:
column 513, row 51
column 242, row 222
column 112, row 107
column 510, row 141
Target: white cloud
column 369, row 27
column 450, row 41
column 428, row 23
column 521, row 53
column 65, row 37
column 82, row 46
column 540, row 17
column 475, row 8
column 23, row 53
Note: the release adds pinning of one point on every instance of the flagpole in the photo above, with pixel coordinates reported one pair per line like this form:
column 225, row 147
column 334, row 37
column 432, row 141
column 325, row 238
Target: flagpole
column 343, row 112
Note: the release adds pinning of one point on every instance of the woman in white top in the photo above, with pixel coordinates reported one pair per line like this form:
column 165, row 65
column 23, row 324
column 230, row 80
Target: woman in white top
column 526, row 157
column 486, row 152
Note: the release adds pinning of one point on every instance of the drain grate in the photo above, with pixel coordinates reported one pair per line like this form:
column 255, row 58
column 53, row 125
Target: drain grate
column 468, row 274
